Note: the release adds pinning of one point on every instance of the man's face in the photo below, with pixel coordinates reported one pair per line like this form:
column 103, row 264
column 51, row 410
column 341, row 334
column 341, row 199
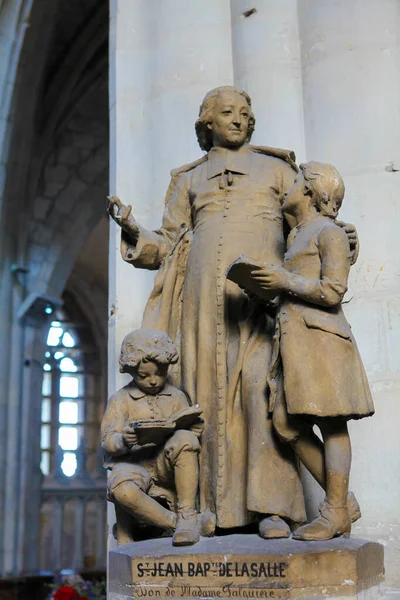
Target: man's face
column 230, row 120
column 150, row 377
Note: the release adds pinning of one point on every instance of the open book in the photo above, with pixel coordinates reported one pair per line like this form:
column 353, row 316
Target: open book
column 156, row 430
column 240, row 272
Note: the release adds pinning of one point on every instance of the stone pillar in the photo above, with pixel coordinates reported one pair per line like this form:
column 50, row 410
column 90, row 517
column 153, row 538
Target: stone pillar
column 58, row 513
column 13, row 23
column 100, row 533
column 22, row 475
column 14, row 15
column 25, row 27
column 350, row 57
column 79, row 532
column 164, row 57
column 267, row 64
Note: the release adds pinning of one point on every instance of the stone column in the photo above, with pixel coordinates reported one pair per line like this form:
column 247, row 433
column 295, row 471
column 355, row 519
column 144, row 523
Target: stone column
column 350, row 57
column 100, row 533
column 14, row 15
column 25, row 28
column 79, row 532
column 13, row 23
column 58, row 513
column 164, row 57
column 267, row 64
column 23, row 476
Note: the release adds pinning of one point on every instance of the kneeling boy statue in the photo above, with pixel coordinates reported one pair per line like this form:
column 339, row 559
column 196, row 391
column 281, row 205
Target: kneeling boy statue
column 151, row 438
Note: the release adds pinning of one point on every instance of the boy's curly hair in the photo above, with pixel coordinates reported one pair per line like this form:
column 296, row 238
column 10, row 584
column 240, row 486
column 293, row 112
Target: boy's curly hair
column 204, row 135
column 147, row 345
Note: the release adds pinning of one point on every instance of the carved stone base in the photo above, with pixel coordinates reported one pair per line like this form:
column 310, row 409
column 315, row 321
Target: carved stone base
column 245, row 566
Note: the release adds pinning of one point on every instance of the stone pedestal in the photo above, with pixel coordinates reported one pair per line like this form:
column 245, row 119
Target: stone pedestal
column 245, row 566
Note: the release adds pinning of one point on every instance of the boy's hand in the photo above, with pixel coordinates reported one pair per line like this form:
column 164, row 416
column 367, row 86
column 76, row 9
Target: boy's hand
column 271, row 277
column 130, row 437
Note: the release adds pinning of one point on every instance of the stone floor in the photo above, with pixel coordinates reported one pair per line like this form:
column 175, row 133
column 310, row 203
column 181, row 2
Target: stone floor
column 391, row 594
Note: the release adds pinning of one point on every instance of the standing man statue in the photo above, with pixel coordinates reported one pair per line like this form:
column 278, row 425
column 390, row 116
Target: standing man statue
column 226, row 203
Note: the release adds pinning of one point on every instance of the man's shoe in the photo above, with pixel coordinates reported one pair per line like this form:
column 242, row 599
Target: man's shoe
column 207, row 522
column 273, row 527
column 187, row 530
column 333, row 522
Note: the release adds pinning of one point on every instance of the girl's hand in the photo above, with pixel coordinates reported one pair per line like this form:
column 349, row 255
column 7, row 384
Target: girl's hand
column 271, row 277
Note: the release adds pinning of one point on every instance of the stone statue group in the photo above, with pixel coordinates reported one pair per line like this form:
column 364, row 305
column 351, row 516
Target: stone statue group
column 244, row 346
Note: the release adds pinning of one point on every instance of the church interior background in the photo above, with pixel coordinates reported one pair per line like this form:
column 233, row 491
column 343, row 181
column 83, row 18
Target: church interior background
column 54, row 284
column 56, row 96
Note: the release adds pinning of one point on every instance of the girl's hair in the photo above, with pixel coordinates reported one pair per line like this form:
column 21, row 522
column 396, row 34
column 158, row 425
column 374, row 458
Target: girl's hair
column 326, row 186
column 147, row 345
column 204, row 134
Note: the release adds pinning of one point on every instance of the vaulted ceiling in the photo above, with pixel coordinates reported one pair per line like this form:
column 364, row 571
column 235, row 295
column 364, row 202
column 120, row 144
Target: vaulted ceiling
column 58, row 160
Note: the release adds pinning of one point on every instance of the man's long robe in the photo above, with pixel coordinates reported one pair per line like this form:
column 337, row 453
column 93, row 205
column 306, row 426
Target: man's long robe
column 226, row 204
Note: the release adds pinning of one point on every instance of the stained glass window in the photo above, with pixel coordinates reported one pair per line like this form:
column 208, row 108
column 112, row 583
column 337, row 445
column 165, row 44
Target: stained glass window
column 63, row 385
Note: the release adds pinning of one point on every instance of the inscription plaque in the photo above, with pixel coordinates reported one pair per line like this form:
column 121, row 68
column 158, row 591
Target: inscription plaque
column 248, row 577
column 244, row 566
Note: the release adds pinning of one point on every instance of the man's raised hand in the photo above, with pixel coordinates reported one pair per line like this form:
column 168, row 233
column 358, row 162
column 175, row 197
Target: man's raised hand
column 121, row 214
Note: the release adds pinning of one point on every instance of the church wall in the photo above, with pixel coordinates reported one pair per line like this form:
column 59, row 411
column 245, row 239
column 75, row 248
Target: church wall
column 324, row 79
column 351, row 83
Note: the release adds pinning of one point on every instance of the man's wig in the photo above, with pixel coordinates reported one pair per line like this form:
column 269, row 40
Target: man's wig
column 147, row 345
column 204, row 134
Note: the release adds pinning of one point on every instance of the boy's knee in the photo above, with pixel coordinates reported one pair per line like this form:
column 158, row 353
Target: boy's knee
column 181, row 441
column 126, row 491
